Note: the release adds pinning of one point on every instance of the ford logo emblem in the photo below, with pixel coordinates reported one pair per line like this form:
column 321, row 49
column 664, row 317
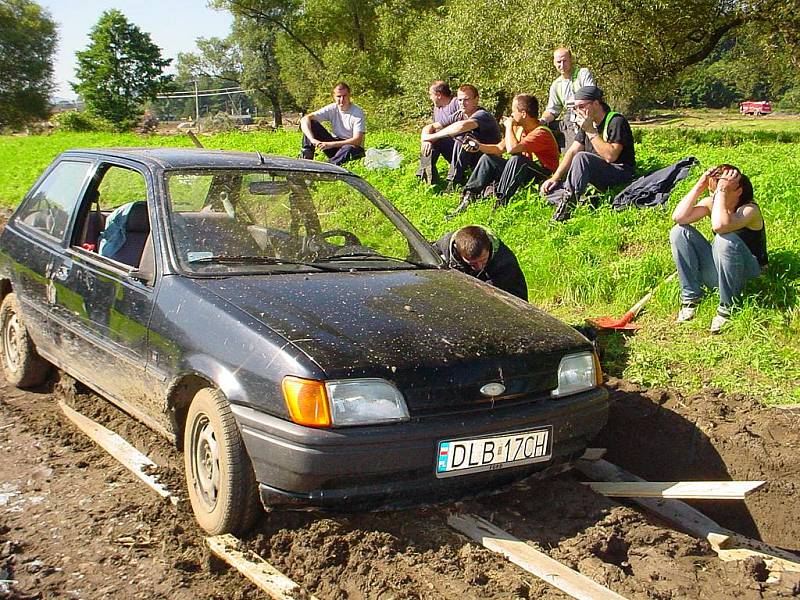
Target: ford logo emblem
column 493, row 389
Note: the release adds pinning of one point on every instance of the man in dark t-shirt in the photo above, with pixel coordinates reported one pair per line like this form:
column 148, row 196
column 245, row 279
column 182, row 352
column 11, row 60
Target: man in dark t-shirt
column 474, row 123
column 602, row 154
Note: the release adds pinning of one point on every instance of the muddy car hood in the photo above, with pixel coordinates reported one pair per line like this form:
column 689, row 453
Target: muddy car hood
column 427, row 330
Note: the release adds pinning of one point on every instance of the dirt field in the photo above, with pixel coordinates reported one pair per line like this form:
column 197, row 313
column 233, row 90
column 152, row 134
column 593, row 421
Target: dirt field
column 75, row 524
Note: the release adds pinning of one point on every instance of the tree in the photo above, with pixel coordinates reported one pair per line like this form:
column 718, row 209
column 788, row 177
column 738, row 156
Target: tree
column 27, row 43
column 120, row 70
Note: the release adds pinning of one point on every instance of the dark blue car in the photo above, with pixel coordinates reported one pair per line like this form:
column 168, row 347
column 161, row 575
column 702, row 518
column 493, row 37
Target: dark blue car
column 289, row 329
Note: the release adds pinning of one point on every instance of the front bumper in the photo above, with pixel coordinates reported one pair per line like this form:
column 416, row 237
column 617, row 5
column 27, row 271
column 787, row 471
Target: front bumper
column 394, row 465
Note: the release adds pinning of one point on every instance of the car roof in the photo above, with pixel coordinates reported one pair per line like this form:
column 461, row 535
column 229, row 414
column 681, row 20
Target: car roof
column 187, row 158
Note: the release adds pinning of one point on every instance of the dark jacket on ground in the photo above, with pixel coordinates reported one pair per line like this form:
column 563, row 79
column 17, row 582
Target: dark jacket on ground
column 502, row 270
column 654, row 189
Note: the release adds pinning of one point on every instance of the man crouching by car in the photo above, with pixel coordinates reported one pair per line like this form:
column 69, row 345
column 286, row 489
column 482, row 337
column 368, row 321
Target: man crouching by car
column 476, row 251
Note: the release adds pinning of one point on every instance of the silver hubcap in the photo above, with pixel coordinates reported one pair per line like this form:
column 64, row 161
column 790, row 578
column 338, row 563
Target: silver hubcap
column 11, row 335
column 205, row 461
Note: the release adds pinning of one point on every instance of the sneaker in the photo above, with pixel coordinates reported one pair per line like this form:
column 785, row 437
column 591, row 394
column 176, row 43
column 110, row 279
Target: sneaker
column 718, row 323
column 467, row 198
column 488, row 192
column 686, row 313
column 563, row 211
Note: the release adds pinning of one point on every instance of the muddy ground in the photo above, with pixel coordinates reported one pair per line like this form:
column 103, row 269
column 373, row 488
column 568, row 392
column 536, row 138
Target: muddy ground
column 75, row 524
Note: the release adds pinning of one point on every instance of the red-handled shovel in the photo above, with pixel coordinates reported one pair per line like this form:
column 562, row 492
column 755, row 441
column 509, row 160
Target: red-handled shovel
column 624, row 323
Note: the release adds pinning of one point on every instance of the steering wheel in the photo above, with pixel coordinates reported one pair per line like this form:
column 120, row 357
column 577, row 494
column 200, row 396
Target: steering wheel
column 350, row 238
column 316, row 244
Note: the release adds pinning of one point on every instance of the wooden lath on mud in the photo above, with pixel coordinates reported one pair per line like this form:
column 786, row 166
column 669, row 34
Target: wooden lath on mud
column 688, row 490
column 728, row 544
column 537, row 563
column 256, row 569
column 120, row 449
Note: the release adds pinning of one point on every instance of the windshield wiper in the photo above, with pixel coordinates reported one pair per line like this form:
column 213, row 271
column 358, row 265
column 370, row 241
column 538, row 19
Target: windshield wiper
column 371, row 256
column 259, row 260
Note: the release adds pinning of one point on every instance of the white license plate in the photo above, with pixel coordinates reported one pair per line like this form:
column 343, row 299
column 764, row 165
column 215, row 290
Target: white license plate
column 459, row 457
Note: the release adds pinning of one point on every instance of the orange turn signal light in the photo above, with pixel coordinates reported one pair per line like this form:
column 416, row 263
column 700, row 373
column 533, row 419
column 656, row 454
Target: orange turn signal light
column 307, row 401
column 598, row 370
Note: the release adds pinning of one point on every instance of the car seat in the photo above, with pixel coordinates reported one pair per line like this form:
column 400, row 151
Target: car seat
column 125, row 234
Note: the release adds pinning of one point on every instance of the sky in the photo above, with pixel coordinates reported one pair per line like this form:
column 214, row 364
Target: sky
column 173, row 25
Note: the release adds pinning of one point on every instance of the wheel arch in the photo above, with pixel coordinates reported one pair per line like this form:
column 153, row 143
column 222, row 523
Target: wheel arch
column 5, row 288
column 179, row 397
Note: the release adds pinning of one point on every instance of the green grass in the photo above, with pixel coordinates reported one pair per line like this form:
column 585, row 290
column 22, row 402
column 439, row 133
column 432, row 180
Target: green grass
column 598, row 263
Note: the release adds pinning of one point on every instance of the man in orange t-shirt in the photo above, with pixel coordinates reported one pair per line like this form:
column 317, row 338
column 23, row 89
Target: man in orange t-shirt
column 534, row 156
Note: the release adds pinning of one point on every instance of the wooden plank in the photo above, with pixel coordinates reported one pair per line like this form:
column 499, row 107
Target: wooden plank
column 256, row 569
column 684, row 516
column 120, row 449
column 593, row 454
column 538, row 563
column 702, row 490
column 194, row 139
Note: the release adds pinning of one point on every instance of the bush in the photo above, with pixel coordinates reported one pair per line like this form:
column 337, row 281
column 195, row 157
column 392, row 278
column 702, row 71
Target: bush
column 79, row 122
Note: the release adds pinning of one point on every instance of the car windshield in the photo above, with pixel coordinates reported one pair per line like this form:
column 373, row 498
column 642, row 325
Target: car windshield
column 247, row 221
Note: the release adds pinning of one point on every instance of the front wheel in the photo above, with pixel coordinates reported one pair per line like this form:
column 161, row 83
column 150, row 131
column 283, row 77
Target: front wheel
column 219, row 475
column 22, row 366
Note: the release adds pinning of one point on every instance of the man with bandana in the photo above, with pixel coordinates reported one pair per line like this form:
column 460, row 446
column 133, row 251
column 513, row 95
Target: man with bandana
column 602, row 154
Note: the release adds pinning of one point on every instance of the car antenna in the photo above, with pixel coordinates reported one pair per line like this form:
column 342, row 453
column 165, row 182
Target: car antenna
column 261, row 158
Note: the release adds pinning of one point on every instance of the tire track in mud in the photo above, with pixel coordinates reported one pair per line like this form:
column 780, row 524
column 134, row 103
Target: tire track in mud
column 119, row 540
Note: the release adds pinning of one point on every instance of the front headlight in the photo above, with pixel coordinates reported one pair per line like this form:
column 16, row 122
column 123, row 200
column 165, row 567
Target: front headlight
column 344, row 402
column 365, row 401
column 576, row 373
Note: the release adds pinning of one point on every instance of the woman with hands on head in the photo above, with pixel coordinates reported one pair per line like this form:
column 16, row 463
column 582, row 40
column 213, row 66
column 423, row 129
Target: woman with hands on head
column 738, row 252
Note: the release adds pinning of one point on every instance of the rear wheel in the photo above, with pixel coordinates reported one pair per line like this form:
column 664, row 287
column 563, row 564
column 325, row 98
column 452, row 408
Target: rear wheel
column 219, row 475
column 22, row 366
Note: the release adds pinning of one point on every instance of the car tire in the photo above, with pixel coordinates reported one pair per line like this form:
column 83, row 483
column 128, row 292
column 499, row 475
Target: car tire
column 22, row 365
column 219, row 474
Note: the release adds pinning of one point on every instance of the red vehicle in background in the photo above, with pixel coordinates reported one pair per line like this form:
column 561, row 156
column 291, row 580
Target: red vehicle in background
column 755, row 108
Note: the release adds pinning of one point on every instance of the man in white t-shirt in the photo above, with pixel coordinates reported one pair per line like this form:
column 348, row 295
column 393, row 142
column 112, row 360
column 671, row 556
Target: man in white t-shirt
column 347, row 122
column 562, row 96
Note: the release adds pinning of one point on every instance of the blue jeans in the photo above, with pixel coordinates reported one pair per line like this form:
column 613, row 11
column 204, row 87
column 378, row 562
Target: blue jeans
column 726, row 264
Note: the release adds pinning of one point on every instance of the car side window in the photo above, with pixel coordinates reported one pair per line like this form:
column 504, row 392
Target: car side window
column 51, row 205
column 115, row 222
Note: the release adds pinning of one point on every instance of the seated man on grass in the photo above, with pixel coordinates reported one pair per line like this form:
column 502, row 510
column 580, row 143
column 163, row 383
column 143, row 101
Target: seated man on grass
column 476, row 251
column 534, row 157
column 473, row 120
column 738, row 252
column 347, row 122
column 602, row 154
column 445, row 112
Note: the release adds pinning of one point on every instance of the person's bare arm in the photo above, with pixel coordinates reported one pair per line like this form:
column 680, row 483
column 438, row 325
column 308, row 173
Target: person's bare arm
column 691, row 209
column 547, row 118
column 563, row 167
column 725, row 217
column 356, row 140
column 451, row 130
column 426, row 146
column 608, row 151
column 305, row 127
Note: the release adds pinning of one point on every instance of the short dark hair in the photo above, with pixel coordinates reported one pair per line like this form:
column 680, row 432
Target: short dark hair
column 342, row 84
column 468, row 87
column 440, row 87
column 471, row 241
column 528, row 103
